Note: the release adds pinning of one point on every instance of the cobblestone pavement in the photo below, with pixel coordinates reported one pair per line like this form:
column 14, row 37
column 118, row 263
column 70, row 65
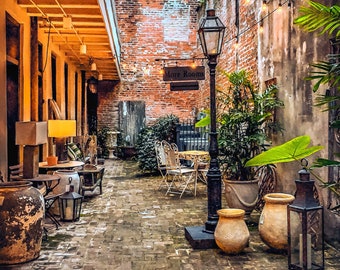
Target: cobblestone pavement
column 132, row 225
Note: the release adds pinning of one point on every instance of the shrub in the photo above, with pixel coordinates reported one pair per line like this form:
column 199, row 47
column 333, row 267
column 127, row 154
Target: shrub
column 163, row 129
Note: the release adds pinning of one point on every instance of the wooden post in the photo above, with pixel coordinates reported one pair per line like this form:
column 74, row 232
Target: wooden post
column 34, row 70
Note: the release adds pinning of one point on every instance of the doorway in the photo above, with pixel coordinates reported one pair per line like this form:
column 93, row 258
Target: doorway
column 12, row 83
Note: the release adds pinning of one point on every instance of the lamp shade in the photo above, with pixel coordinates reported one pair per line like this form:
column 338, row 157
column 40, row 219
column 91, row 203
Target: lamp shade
column 62, row 128
column 211, row 33
column 30, row 133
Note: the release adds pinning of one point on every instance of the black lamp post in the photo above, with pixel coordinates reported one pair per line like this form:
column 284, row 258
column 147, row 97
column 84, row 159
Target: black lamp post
column 211, row 32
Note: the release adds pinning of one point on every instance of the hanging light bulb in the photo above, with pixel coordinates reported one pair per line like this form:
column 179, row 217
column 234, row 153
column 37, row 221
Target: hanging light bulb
column 279, row 9
column 261, row 27
column 264, row 5
column 83, row 49
column 100, row 77
column 193, row 64
column 67, row 22
column 93, row 66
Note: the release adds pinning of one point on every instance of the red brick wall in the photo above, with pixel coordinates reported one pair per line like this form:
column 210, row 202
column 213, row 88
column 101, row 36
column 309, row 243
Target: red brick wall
column 241, row 53
column 151, row 30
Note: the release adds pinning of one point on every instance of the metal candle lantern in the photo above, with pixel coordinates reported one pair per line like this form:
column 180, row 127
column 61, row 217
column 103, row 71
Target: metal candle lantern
column 70, row 205
column 305, row 227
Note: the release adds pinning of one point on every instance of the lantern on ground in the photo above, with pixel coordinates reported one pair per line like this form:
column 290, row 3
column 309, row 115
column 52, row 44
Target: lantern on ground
column 70, row 205
column 305, row 227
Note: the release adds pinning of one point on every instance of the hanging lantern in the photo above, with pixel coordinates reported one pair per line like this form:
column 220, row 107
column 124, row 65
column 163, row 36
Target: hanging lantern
column 305, row 227
column 70, row 205
column 92, row 84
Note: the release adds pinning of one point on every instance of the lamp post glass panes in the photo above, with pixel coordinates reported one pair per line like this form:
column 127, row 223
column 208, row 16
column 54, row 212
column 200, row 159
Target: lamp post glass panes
column 70, row 205
column 305, row 227
column 211, row 33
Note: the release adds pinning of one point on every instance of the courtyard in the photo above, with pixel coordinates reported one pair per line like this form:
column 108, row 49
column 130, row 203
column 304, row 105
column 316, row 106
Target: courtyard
column 133, row 225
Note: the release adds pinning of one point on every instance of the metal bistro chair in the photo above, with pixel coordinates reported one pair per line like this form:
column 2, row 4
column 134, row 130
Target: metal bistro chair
column 161, row 164
column 91, row 178
column 181, row 176
column 203, row 166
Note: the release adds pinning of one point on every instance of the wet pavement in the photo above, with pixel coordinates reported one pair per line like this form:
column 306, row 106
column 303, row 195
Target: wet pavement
column 133, row 225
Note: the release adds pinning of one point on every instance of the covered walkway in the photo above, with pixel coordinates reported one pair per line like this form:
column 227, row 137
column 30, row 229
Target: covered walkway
column 134, row 226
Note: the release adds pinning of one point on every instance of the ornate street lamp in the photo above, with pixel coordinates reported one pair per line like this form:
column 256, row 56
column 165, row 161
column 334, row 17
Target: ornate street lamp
column 211, row 33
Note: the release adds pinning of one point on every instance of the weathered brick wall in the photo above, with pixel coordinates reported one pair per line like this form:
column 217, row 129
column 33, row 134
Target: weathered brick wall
column 238, row 53
column 151, row 30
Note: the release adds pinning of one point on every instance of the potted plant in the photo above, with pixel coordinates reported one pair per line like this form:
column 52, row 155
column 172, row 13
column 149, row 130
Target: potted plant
column 246, row 119
column 273, row 219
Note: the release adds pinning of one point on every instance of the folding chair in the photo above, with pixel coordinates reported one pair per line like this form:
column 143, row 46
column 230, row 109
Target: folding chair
column 181, row 177
column 161, row 164
column 203, row 166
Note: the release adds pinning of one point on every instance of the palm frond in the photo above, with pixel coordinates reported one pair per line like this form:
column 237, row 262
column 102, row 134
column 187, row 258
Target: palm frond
column 318, row 17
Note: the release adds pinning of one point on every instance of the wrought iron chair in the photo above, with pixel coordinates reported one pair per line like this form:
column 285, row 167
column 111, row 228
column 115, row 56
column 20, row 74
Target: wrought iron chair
column 181, row 176
column 91, row 178
column 161, row 164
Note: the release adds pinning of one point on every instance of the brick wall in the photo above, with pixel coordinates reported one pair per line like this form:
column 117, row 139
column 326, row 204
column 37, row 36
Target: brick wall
column 151, row 30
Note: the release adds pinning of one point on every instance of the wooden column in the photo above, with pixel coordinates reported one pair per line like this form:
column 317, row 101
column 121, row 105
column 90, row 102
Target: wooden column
column 34, row 70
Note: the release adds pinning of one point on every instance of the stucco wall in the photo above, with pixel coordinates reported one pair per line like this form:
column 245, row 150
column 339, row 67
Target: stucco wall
column 285, row 53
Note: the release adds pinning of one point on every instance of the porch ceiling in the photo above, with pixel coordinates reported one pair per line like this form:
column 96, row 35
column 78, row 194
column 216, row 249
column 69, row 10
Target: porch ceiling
column 94, row 24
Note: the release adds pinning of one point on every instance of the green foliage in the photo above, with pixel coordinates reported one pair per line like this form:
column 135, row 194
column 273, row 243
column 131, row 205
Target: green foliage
column 293, row 150
column 326, row 20
column 101, row 140
column 145, row 149
column 318, row 17
column 163, row 129
column 244, row 124
column 326, row 72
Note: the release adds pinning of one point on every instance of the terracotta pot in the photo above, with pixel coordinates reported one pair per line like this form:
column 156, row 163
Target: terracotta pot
column 52, row 160
column 21, row 226
column 241, row 194
column 231, row 233
column 273, row 220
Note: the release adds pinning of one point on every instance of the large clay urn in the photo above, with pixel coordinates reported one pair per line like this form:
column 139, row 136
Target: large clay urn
column 67, row 178
column 21, row 222
column 231, row 233
column 241, row 194
column 273, row 220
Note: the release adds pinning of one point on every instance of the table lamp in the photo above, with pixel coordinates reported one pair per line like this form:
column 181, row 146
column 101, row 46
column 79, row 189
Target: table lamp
column 30, row 135
column 60, row 130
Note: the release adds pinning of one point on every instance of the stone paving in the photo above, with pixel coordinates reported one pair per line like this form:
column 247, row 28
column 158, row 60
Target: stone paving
column 132, row 225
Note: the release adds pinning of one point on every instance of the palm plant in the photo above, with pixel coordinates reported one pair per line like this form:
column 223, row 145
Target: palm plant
column 245, row 120
column 326, row 20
